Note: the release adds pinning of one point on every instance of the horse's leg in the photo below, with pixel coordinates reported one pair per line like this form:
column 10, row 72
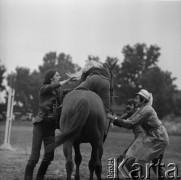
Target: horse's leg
column 67, row 149
column 95, row 161
column 98, row 163
column 78, row 159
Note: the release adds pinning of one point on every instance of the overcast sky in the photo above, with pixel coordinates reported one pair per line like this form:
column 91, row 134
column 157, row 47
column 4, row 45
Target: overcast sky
column 31, row 28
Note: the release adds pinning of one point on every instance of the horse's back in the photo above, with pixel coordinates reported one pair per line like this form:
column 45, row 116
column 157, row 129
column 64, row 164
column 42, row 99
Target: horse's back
column 95, row 123
column 92, row 99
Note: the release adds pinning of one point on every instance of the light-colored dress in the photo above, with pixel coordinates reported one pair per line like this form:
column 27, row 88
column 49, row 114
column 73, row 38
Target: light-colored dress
column 152, row 142
column 137, row 130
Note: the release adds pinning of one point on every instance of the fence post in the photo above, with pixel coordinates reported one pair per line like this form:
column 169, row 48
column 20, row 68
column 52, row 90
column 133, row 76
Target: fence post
column 9, row 118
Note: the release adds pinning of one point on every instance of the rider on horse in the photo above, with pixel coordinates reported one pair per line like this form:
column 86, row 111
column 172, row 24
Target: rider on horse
column 94, row 76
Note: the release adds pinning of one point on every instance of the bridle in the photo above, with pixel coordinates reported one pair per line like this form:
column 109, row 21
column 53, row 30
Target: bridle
column 111, row 80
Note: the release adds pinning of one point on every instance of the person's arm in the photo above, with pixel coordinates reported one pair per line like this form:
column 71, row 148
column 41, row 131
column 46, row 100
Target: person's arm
column 123, row 116
column 135, row 120
column 66, row 81
column 49, row 87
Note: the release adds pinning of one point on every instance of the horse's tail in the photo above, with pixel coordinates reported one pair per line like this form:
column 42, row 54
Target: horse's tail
column 77, row 122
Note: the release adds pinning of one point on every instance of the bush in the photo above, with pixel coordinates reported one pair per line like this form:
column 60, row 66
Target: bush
column 173, row 124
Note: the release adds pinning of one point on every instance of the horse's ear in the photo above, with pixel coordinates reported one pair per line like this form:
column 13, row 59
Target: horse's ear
column 112, row 67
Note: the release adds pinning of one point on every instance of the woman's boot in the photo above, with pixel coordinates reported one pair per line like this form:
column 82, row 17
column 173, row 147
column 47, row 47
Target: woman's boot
column 29, row 172
column 42, row 171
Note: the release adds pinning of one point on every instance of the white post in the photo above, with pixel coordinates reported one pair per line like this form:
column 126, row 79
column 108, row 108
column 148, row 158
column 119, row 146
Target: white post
column 9, row 119
column 11, row 116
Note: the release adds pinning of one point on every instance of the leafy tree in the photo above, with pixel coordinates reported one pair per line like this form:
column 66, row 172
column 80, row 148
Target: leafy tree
column 2, row 88
column 161, row 85
column 95, row 58
column 34, row 86
column 2, row 71
column 27, row 84
column 49, row 62
column 138, row 70
column 63, row 63
column 20, row 82
column 177, row 103
column 137, row 60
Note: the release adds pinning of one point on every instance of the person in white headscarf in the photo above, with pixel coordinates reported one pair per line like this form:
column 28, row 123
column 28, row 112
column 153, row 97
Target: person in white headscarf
column 151, row 144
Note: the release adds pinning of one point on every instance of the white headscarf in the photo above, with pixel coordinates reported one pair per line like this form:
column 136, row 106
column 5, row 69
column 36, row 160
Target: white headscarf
column 150, row 102
column 147, row 95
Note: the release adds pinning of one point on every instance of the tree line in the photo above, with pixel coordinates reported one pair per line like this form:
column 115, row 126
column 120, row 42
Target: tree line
column 139, row 69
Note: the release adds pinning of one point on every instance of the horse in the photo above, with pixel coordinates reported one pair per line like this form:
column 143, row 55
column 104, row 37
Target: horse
column 83, row 120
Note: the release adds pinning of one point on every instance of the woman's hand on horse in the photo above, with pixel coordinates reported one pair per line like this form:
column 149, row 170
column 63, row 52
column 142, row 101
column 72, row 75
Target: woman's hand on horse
column 67, row 81
column 73, row 79
column 112, row 117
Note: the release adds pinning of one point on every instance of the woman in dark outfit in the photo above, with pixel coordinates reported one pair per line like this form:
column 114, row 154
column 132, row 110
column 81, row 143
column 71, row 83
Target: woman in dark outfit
column 50, row 98
column 151, row 144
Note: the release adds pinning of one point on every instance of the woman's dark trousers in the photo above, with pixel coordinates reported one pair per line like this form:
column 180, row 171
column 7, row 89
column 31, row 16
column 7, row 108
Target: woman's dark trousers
column 42, row 132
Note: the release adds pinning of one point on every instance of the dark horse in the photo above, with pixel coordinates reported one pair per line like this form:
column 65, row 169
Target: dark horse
column 83, row 120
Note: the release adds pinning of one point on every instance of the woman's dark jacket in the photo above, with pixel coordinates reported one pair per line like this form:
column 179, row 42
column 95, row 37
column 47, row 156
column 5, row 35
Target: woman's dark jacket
column 50, row 98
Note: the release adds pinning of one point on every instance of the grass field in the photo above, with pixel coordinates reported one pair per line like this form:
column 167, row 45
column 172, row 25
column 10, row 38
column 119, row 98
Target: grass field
column 13, row 163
